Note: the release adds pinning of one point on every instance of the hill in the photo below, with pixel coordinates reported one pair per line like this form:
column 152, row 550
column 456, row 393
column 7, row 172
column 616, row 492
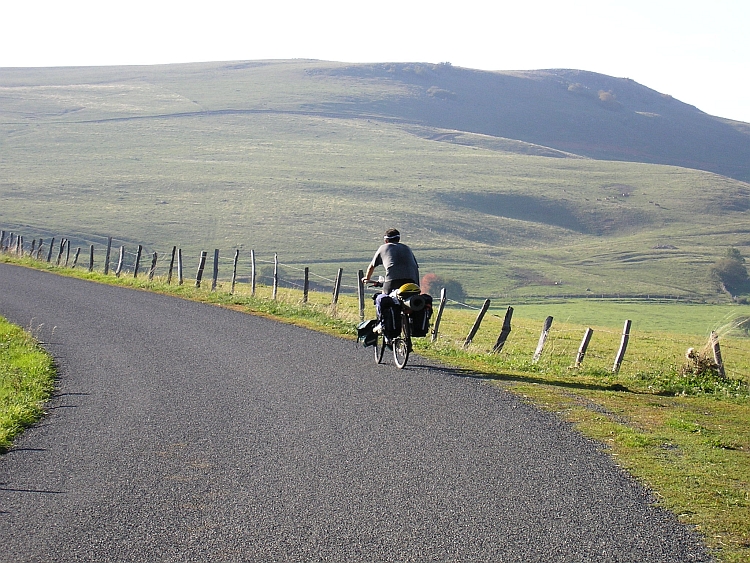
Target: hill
column 507, row 181
column 574, row 111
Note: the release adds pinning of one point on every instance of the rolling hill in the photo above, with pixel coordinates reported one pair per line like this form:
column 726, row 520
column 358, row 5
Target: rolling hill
column 517, row 183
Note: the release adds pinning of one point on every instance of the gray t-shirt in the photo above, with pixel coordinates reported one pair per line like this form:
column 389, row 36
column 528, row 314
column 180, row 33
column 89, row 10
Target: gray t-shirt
column 398, row 261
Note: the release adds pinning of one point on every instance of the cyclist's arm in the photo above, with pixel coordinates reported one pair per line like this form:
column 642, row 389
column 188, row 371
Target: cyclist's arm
column 368, row 273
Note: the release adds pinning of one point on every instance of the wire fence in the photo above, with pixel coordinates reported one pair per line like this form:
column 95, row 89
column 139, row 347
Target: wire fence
column 170, row 264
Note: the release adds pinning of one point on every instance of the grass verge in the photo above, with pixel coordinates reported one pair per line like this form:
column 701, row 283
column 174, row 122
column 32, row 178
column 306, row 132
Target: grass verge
column 26, row 381
column 684, row 435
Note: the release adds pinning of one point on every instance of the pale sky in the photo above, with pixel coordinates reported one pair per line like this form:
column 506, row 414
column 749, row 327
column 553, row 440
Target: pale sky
column 696, row 51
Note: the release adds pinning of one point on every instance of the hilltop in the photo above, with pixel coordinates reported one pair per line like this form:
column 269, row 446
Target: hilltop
column 572, row 111
column 580, row 112
column 518, row 183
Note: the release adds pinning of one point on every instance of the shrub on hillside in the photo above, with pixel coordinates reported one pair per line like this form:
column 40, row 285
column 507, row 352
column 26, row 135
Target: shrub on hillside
column 731, row 273
column 433, row 283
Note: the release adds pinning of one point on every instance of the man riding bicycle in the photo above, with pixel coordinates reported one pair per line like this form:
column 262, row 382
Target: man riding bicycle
column 398, row 260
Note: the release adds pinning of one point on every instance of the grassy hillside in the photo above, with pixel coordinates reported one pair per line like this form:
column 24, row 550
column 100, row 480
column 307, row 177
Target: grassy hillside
column 314, row 160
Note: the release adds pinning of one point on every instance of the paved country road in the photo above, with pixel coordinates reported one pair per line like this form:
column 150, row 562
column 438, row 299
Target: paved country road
column 186, row 432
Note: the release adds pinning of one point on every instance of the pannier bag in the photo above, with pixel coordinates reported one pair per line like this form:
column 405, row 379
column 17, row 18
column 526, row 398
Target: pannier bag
column 365, row 333
column 420, row 320
column 390, row 314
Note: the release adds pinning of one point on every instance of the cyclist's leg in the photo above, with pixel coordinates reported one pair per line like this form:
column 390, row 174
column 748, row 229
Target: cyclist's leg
column 379, row 348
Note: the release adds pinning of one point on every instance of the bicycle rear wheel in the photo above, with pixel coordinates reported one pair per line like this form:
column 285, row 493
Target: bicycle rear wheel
column 379, row 349
column 401, row 351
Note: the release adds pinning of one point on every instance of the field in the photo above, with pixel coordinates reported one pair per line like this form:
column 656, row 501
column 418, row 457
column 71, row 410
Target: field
column 207, row 157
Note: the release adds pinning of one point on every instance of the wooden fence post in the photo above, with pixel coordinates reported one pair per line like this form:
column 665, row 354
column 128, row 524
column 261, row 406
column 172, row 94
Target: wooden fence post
column 60, row 253
column 215, row 276
column 91, row 258
column 583, row 347
column 33, row 248
column 275, row 275
column 75, row 260
column 717, row 354
column 361, row 294
column 107, row 255
column 119, row 262
column 252, row 272
column 504, row 332
column 180, row 278
column 171, row 265
column 67, row 252
column 477, row 322
column 436, row 324
column 51, row 248
column 623, row 347
column 137, row 260
column 39, row 248
column 337, row 287
column 306, row 285
column 234, row 269
column 153, row 268
column 201, row 265
column 542, row 339
column 2, row 241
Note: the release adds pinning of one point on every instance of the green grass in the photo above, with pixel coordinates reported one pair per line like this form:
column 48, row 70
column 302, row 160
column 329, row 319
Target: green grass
column 26, row 381
column 649, row 315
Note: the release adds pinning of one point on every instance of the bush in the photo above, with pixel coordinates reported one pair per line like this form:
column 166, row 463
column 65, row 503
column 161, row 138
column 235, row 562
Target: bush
column 433, row 283
column 730, row 272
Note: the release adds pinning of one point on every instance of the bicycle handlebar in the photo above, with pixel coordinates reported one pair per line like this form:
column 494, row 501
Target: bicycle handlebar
column 376, row 283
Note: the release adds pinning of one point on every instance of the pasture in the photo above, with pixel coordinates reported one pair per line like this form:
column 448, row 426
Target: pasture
column 268, row 157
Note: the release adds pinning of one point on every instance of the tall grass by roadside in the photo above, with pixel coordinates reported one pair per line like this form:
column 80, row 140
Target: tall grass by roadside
column 683, row 434
column 26, row 381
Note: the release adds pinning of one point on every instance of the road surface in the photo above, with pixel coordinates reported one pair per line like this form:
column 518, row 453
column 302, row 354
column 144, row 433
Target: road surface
column 186, row 432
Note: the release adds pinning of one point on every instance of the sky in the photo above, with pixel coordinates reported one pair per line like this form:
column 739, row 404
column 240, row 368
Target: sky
column 695, row 51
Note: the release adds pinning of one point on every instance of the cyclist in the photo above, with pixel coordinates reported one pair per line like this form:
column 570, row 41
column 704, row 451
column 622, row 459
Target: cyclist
column 398, row 260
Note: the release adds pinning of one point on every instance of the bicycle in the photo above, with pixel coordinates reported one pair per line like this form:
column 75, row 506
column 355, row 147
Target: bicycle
column 400, row 344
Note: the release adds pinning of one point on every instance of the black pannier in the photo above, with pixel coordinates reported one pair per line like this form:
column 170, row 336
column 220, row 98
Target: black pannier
column 420, row 320
column 365, row 335
column 390, row 312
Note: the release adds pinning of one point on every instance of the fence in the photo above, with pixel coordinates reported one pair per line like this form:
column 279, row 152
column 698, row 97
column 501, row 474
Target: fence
column 170, row 265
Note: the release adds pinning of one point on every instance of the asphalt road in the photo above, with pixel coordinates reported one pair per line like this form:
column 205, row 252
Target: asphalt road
column 186, row 432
